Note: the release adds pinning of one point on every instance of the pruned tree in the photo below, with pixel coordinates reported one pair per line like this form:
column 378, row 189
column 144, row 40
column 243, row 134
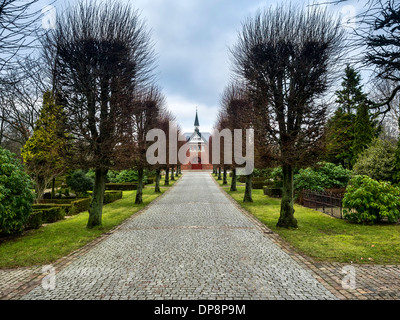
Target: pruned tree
column 286, row 56
column 148, row 108
column 21, row 99
column 100, row 54
column 18, row 29
column 381, row 35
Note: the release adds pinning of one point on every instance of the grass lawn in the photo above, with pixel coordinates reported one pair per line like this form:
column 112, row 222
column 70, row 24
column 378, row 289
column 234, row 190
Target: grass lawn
column 54, row 241
column 325, row 238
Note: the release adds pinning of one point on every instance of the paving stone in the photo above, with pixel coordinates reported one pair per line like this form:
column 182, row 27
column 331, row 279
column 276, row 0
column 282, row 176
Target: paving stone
column 194, row 236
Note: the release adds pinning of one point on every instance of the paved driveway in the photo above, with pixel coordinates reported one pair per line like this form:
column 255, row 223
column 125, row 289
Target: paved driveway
column 193, row 243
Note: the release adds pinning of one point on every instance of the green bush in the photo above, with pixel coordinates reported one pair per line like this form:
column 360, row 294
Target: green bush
column 262, row 173
column 369, row 201
column 126, row 176
column 277, row 177
column 80, row 183
column 325, row 176
column 16, row 197
column 377, row 161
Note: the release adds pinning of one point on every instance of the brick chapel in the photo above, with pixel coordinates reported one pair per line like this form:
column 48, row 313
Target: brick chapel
column 199, row 148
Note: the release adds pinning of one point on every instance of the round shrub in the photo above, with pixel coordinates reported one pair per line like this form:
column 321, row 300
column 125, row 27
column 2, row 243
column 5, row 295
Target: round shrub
column 80, row 183
column 368, row 201
column 377, row 161
column 16, row 195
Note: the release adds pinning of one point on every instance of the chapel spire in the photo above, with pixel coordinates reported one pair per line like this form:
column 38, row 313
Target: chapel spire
column 196, row 122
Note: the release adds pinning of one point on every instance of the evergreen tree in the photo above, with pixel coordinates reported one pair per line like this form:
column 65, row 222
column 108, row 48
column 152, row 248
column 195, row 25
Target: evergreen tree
column 363, row 131
column 350, row 130
column 44, row 153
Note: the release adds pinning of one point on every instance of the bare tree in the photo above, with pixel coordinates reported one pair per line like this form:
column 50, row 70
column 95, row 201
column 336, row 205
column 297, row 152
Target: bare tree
column 146, row 116
column 286, row 56
column 21, row 100
column 100, row 54
column 18, row 29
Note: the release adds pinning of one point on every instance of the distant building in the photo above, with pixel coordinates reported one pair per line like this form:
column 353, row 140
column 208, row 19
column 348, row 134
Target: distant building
column 199, row 152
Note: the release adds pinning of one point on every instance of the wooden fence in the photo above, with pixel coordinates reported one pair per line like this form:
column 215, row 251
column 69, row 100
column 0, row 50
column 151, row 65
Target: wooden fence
column 329, row 203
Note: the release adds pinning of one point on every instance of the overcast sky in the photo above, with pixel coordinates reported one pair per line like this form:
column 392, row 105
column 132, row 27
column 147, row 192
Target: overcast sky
column 192, row 39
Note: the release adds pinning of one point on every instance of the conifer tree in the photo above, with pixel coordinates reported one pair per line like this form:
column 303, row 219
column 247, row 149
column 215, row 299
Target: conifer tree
column 350, row 130
column 44, row 153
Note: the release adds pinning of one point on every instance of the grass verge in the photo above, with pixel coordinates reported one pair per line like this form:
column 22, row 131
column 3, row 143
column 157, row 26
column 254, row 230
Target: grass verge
column 325, row 238
column 54, row 241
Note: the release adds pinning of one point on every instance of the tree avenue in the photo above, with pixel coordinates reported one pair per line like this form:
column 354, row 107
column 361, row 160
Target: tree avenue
column 286, row 56
column 99, row 55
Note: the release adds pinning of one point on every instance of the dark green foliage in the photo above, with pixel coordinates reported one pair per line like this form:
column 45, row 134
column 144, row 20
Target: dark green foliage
column 258, row 185
column 273, row 192
column 340, row 137
column 277, row 177
column 324, row 176
column 16, row 197
column 45, row 206
column 363, row 130
column 265, row 173
column 350, row 130
column 110, row 197
column 34, row 221
column 126, row 176
column 80, row 183
column 49, row 213
column 378, row 161
column 370, row 201
column 121, row 186
column 396, row 171
column 79, row 206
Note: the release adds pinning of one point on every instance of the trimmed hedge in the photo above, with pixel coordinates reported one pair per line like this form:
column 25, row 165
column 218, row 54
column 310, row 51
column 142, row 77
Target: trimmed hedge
column 44, row 206
column 34, row 220
column 110, row 197
column 121, row 186
column 79, row 206
column 258, row 185
column 273, row 192
column 44, row 215
column 242, row 179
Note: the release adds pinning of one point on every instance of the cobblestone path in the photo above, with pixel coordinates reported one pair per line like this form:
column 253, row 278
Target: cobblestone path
column 193, row 243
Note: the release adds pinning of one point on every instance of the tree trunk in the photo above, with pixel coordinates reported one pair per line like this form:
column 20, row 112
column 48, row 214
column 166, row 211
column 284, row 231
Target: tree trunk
column 225, row 182
column 216, row 171
column 167, row 177
column 287, row 219
column 96, row 206
column 158, row 178
column 180, row 170
column 172, row 174
column 219, row 174
column 234, row 178
column 249, row 187
column 139, row 191
column 53, row 188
